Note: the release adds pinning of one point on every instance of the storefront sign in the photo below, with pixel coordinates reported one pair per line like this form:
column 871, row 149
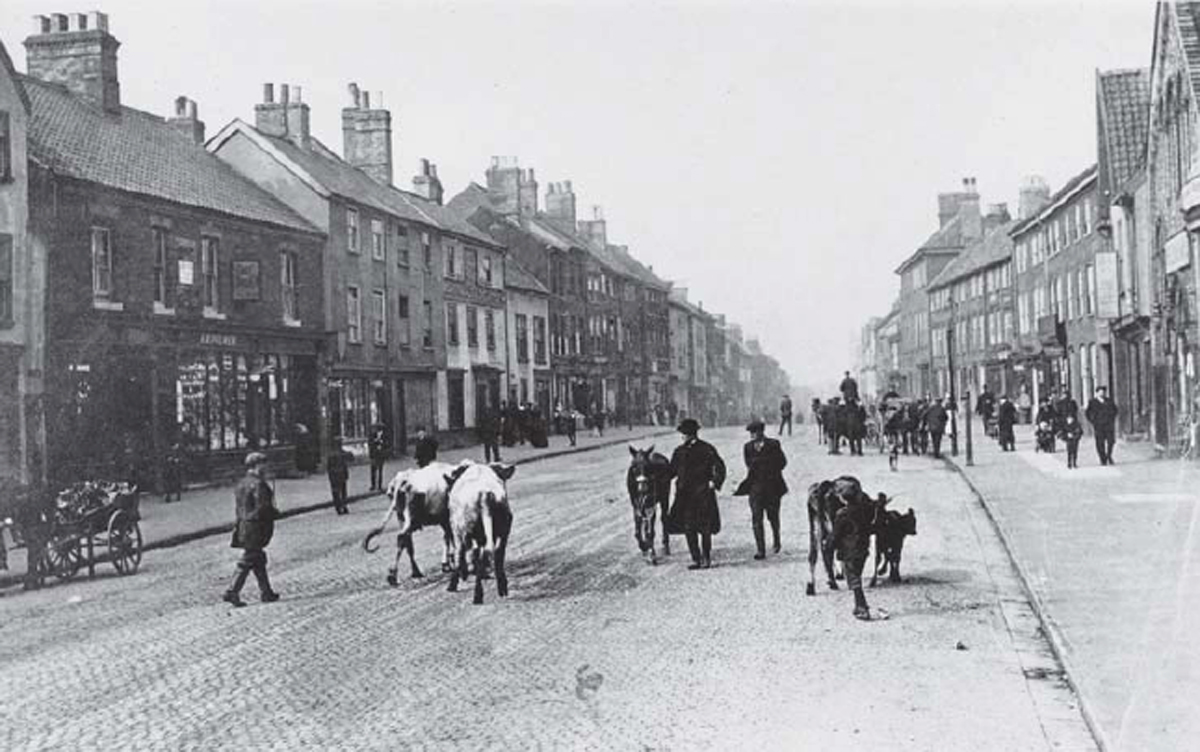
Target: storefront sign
column 221, row 340
column 1177, row 252
column 245, row 280
column 1107, row 288
column 187, row 272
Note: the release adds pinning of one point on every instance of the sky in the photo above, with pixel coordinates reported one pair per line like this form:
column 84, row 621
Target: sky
column 778, row 159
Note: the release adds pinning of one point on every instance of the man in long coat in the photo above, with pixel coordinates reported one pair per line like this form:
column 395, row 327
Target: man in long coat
column 1102, row 414
column 831, row 421
column 764, row 484
column 254, row 503
column 1006, row 418
column 699, row 473
column 935, row 419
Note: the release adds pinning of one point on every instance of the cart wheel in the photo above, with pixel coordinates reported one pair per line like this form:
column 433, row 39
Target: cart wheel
column 63, row 557
column 124, row 542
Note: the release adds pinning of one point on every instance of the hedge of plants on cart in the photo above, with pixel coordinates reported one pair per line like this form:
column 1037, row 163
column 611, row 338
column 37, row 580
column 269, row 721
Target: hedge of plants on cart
column 63, row 531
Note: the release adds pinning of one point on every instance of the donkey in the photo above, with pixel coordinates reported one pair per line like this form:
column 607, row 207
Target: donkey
column 419, row 498
column 648, row 481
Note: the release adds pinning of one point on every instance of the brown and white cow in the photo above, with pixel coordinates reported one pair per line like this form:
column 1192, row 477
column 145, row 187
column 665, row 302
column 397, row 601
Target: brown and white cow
column 480, row 523
column 419, row 498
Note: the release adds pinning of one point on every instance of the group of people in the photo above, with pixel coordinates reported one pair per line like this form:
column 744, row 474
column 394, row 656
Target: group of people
column 1058, row 416
column 916, row 427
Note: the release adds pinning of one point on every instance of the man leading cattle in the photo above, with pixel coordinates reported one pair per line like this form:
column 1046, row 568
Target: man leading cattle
column 699, row 473
column 764, row 485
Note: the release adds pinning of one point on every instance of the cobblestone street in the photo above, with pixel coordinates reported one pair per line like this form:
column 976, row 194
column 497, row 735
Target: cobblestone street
column 594, row 649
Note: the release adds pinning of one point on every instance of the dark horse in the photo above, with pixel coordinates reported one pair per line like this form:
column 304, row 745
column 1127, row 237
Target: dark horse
column 649, row 483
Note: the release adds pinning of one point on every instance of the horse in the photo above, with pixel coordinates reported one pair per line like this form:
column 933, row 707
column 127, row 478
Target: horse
column 648, row 481
column 419, row 498
column 825, row 500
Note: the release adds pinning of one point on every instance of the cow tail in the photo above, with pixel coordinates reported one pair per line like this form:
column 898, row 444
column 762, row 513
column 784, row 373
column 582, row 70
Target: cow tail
column 489, row 534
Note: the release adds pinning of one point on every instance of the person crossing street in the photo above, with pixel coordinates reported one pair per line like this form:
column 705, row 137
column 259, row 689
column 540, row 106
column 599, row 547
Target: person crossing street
column 254, row 504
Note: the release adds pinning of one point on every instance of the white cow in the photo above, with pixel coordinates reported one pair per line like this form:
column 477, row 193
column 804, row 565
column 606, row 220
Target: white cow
column 419, row 497
column 480, row 522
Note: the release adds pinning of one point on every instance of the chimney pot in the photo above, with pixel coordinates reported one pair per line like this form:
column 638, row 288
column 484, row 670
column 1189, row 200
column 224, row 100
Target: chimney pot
column 60, row 22
column 268, row 93
column 355, row 98
column 41, row 24
column 192, row 112
column 98, row 20
column 366, row 100
column 180, row 106
column 297, row 93
column 79, row 22
column 284, row 94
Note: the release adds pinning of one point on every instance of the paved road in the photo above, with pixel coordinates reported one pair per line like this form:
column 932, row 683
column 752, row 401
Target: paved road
column 595, row 649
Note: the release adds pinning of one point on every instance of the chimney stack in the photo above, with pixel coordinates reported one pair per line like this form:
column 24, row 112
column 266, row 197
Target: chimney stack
column 595, row 229
column 513, row 191
column 187, row 120
column 288, row 118
column 1034, row 194
column 76, row 51
column 367, row 137
column 560, row 205
column 427, row 184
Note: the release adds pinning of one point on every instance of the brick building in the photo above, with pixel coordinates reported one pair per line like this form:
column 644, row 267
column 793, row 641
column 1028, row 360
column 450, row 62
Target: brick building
column 176, row 298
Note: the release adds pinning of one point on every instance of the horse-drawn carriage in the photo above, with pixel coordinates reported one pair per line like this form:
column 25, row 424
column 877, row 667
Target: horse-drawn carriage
column 84, row 523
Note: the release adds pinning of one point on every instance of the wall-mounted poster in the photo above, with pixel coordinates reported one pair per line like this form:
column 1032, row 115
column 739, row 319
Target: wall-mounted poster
column 245, row 280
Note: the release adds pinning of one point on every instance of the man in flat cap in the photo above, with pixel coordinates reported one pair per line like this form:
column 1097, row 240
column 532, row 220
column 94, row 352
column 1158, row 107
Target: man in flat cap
column 764, row 484
column 699, row 473
column 256, row 512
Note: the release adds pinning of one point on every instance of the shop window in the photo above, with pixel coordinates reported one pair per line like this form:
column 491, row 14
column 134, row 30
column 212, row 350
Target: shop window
column 353, row 314
column 6, row 280
column 472, row 327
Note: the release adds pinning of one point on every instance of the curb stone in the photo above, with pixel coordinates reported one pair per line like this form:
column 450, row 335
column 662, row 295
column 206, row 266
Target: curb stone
column 1049, row 629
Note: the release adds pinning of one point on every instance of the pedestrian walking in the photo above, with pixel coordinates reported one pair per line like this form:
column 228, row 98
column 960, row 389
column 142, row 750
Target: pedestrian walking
column 377, row 449
column 254, row 504
column 851, row 541
column 489, row 434
column 935, row 418
column 173, row 473
column 1102, row 414
column 337, row 467
column 699, row 473
column 856, row 427
column 848, row 388
column 1066, row 407
column 1072, row 432
column 1006, row 418
column 426, row 448
column 785, row 415
column 764, row 485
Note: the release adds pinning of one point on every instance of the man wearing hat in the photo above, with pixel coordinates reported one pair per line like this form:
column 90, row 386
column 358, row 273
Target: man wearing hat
column 337, row 467
column 699, row 473
column 256, row 512
column 1102, row 414
column 764, row 484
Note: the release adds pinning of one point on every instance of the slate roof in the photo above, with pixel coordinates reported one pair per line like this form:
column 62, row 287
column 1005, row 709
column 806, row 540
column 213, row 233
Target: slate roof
column 949, row 237
column 515, row 276
column 637, row 269
column 1124, row 102
column 1189, row 36
column 1050, row 207
column 140, row 153
column 995, row 247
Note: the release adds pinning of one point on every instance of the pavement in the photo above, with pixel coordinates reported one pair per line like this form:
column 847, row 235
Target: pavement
column 1108, row 554
column 594, row 649
column 208, row 511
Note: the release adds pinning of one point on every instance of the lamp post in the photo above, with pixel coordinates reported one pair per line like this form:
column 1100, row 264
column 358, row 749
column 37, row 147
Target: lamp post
column 970, row 455
column 950, row 369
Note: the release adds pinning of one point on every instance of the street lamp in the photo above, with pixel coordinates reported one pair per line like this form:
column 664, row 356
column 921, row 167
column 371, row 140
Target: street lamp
column 950, row 369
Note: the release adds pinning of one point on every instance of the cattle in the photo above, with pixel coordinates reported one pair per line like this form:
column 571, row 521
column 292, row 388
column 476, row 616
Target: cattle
column 419, row 498
column 480, row 522
column 889, row 543
column 825, row 500
column 648, row 481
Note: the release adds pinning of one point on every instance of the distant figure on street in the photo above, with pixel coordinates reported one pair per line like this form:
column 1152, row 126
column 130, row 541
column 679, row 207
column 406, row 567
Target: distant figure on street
column 1025, row 404
column 1046, row 420
column 307, row 457
column 985, row 406
column 935, row 421
column 830, row 418
column 1066, row 407
column 699, row 473
column 377, row 450
column 489, row 434
column 254, row 504
column 849, row 389
column 426, row 448
column 785, row 415
column 816, row 413
column 173, row 472
column 764, row 485
column 1006, row 418
column 1102, row 414
column 855, row 422
column 337, row 467
column 1072, row 432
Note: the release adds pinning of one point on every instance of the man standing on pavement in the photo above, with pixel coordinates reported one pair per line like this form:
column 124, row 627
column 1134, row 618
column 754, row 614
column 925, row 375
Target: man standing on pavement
column 785, row 415
column 426, row 449
column 489, row 434
column 1006, row 417
column 1102, row 414
column 256, row 513
column 764, row 485
column 849, row 389
column 699, row 473
column 935, row 420
column 337, row 467
column 377, row 449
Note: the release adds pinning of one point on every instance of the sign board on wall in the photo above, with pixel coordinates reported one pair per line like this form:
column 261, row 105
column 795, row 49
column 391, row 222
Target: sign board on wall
column 1107, row 287
column 245, row 280
column 1176, row 252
